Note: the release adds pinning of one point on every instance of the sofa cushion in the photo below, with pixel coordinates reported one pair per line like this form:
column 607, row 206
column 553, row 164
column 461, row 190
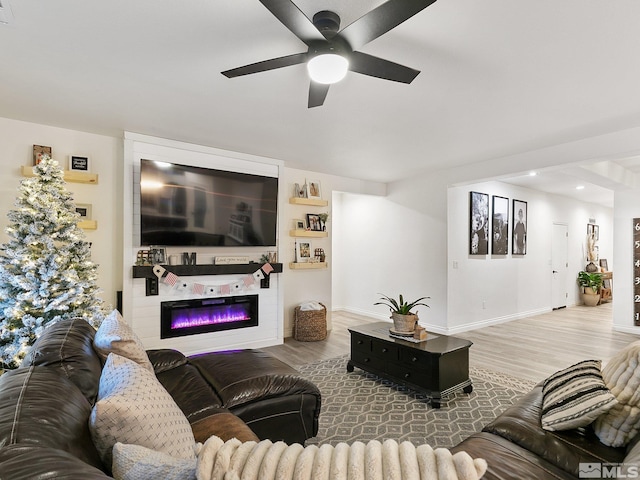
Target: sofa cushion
column 190, row 391
column 28, row 462
column 134, row 462
column 115, row 335
column 133, row 407
column 575, row 396
column 622, row 376
column 38, row 407
column 67, row 347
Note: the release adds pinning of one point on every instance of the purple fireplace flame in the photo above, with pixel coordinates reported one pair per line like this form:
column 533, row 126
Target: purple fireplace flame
column 190, row 317
column 197, row 317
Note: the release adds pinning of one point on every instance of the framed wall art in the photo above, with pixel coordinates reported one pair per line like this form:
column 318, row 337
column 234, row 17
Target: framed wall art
column 595, row 229
column 79, row 163
column 478, row 223
column 499, row 225
column 313, row 220
column 303, row 251
column 84, row 209
column 519, row 236
column 314, row 189
column 39, row 151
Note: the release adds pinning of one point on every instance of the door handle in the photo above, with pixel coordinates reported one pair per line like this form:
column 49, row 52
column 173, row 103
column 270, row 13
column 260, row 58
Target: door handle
column 555, row 271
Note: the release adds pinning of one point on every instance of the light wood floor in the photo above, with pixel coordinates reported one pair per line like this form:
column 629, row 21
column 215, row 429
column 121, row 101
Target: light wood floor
column 532, row 348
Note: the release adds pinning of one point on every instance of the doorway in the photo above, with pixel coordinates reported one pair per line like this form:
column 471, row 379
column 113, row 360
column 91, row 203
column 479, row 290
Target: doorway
column 559, row 265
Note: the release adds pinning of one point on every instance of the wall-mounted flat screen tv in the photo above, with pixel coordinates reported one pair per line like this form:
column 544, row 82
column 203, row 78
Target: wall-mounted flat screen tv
column 183, row 205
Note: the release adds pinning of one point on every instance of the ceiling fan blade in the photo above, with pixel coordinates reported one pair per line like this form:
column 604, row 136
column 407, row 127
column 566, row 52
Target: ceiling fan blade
column 293, row 18
column 265, row 65
column 380, row 20
column 317, row 93
column 378, row 67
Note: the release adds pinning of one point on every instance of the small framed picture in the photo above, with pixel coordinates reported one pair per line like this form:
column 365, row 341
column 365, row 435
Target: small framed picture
column 298, row 224
column 595, row 229
column 157, row 255
column 40, row 151
column 303, row 251
column 314, row 222
column 314, row 189
column 79, row 163
column 84, row 209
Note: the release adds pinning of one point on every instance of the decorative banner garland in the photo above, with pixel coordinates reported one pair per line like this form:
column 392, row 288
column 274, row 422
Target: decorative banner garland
column 247, row 281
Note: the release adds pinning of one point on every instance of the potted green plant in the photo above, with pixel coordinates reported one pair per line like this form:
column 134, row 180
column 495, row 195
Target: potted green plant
column 590, row 283
column 404, row 321
column 323, row 218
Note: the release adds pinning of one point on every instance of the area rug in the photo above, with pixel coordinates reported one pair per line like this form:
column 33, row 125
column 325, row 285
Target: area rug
column 362, row 406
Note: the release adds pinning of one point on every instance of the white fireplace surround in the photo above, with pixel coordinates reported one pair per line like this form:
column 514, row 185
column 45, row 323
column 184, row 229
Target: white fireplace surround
column 142, row 312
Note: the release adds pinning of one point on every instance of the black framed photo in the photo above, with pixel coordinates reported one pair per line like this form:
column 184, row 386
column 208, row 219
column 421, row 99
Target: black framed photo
column 499, row 225
column 595, row 229
column 78, row 163
column 478, row 223
column 519, row 236
column 314, row 222
column 157, row 255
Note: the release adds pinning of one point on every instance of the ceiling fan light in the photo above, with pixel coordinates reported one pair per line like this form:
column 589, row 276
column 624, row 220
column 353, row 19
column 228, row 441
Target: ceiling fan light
column 327, row 68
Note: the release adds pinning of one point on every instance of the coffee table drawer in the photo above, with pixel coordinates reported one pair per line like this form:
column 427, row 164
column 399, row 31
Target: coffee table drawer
column 385, row 351
column 360, row 343
column 416, row 359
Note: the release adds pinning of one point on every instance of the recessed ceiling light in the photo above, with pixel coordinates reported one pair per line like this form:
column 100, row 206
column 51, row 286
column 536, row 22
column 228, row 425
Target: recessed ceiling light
column 580, row 187
column 533, row 174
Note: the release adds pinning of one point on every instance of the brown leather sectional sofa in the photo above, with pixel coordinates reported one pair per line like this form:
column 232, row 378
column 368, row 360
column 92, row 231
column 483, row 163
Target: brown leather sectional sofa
column 45, row 406
column 46, row 403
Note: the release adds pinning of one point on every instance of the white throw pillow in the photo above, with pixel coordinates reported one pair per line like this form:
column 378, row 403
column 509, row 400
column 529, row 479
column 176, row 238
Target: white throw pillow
column 133, row 462
column 621, row 375
column 115, row 335
column 133, row 407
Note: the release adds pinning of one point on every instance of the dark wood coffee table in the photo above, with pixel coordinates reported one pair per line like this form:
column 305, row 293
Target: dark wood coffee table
column 437, row 366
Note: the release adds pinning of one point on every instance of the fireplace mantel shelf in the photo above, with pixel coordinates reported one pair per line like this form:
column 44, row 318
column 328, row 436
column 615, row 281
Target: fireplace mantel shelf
column 146, row 271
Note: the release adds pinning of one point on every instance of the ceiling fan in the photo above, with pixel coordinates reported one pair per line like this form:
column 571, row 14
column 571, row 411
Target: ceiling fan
column 331, row 51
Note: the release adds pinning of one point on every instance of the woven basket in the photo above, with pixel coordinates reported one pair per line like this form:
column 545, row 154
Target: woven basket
column 310, row 325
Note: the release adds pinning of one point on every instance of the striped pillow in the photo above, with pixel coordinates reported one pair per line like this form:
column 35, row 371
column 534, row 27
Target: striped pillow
column 575, row 397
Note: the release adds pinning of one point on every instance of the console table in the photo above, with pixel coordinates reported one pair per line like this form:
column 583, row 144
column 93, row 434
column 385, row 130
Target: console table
column 437, row 366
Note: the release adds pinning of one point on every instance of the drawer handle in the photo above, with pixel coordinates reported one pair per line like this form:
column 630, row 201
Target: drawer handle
column 414, row 359
column 366, row 360
column 360, row 342
column 385, row 350
column 407, row 375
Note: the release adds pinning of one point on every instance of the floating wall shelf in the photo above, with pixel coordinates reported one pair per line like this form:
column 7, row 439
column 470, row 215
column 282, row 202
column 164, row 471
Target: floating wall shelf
column 308, row 201
column 69, row 175
column 88, row 224
column 307, row 266
column 307, row 233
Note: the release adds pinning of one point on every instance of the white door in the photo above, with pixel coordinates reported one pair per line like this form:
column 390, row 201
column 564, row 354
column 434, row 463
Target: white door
column 559, row 266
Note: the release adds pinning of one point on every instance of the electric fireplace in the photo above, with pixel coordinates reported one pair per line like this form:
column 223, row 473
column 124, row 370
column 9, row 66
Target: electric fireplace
column 203, row 315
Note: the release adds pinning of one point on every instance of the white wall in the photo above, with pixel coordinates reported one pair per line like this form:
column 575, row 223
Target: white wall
column 16, row 149
column 302, row 285
column 486, row 289
column 407, row 243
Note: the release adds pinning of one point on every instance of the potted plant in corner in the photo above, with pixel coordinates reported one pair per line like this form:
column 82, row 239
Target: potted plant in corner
column 404, row 321
column 590, row 283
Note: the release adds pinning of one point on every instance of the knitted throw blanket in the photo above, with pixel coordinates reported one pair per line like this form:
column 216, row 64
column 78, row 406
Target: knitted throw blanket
column 235, row 460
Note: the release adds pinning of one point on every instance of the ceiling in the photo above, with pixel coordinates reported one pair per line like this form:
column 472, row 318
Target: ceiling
column 498, row 77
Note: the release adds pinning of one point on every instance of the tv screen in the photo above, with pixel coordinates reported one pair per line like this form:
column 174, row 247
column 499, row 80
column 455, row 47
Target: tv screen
column 182, row 205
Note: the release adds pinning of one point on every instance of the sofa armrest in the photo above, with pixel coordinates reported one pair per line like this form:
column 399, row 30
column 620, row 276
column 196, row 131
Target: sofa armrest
column 222, row 424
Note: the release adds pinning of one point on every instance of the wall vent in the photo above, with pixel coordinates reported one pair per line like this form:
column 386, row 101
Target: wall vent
column 6, row 15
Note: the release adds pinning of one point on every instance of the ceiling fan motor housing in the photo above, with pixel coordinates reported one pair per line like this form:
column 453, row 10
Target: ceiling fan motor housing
column 328, row 23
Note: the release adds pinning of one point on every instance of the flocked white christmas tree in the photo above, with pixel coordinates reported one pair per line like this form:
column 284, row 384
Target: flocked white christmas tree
column 46, row 272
